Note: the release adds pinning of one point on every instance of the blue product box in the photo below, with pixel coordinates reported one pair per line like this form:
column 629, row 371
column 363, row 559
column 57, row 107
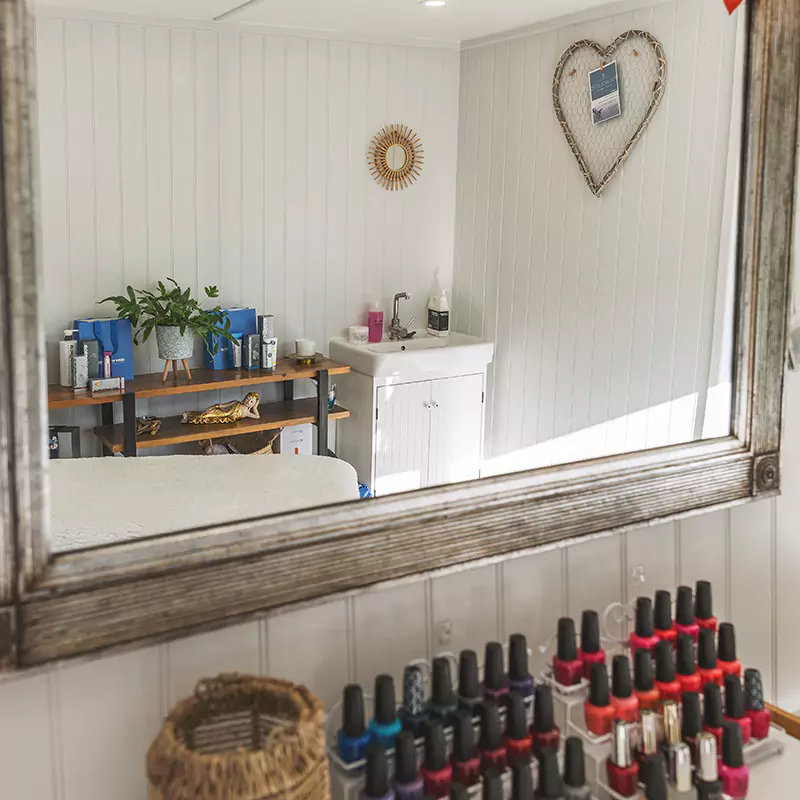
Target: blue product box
column 114, row 336
column 244, row 321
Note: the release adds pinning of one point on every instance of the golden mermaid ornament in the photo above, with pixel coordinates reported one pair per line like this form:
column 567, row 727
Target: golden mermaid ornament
column 221, row 413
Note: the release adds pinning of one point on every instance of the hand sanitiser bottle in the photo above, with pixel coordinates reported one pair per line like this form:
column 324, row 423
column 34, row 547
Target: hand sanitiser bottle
column 438, row 312
column 67, row 348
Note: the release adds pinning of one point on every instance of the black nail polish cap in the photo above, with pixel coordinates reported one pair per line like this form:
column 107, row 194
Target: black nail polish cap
column 521, row 781
column 706, row 649
column 712, row 706
column 574, row 765
column 405, row 758
column 655, row 778
column 385, row 707
column 726, row 643
column 590, row 632
column 644, row 617
column 734, row 697
column 377, row 783
column 663, row 610
column 490, row 725
column 621, row 677
column 684, row 606
column 413, row 690
column 598, row 686
column 463, row 737
column 516, row 723
column 550, row 785
column 643, row 671
column 685, row 655
column 517, row 657
column 469, row 684
column 753, row 690
column 442, row 693
column 732, row 755
column 692, row 719
column 457, row 792
column 702, row 600
column 353, row 711
column 492, row 785
column 543, row 717
column 665, row 663
column 567, row 649
column 435, row 747
column 494, row 676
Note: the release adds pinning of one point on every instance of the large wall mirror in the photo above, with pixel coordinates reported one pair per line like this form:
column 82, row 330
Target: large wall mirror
column 238, row 374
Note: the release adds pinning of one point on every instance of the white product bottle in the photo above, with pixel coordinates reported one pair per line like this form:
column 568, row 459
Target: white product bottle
column 438, row 312
column 67, row 348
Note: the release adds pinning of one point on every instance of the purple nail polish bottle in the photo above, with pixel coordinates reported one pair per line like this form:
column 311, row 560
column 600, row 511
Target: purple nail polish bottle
column 519, row 678
column 407, row 778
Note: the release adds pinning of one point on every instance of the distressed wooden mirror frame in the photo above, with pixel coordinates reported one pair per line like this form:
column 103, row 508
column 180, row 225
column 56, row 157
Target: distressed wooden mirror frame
column 75, row 603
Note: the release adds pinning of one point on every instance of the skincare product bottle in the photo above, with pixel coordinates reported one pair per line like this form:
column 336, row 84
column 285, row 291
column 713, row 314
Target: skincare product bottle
column 91, row 349
column 377, row 782
column 375, row 322
column 353, row 737
column 407, row 780
column 235, row 352
column 67, row 348
column 269, row 343
column 575, row 786
column 385, row 724
column 414, row 711
column 79, row 372
column 438, row 312
column 590, row 651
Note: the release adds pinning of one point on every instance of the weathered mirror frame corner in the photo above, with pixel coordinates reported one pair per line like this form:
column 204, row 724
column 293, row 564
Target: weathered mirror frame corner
column 54, row 607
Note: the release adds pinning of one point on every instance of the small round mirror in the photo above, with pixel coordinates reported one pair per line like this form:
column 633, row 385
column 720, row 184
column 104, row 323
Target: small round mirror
column 396, row 157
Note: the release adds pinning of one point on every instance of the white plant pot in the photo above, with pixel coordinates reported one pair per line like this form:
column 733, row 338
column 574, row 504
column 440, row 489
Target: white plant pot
column 172, row 345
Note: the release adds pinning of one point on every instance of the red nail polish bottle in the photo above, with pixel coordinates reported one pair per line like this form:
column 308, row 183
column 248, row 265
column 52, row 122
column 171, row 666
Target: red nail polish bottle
column 733, row 772
column 546, row 735
column 590, row 651
column 726, row 651
column 734, row 707
column 437, row 774
column 622, row 770
column 707, row 659
column 691, row 720
column 754, row 704
column 518, row 742
column 684, row 613
column 684, row 667
column 567, row 667
column 624, row 701
column 646, row 693
column 597, row 710
column 643, row 637
column 664, row 626
column 493, row 753
column 495, row 681
column 465, row 762
column 669, row 687
column 703, row 614
column 712, row 712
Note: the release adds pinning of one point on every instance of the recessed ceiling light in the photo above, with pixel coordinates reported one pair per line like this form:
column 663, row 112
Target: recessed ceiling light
column 432, row 3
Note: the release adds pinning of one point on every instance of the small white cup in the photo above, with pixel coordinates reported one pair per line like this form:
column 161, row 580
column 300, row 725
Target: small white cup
column 305, row 348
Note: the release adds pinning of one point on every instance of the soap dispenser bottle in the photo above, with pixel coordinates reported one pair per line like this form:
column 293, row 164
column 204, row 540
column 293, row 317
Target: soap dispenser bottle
column 438, row 312
column 67, row 348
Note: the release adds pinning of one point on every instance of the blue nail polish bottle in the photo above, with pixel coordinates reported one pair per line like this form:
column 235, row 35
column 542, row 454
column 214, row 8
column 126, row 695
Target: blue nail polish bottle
column 352, row 739
column 385, row 724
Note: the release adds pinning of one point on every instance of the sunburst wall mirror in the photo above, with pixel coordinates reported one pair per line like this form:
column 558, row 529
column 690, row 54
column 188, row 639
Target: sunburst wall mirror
column 395, row 157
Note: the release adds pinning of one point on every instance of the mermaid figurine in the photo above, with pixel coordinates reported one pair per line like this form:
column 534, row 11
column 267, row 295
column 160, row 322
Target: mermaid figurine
column 220, row 413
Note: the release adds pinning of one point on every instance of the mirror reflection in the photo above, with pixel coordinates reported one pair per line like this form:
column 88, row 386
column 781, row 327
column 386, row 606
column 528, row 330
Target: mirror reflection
column 241, row 322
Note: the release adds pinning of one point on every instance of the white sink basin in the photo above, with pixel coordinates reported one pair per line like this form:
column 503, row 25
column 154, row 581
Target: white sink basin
column 457, row 354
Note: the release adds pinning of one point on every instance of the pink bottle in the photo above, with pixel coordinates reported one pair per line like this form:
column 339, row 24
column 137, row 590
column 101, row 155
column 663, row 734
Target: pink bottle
column 375, row 323
column 733, row 772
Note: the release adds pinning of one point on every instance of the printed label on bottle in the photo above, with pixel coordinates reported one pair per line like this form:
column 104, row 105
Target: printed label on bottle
column 438, row 320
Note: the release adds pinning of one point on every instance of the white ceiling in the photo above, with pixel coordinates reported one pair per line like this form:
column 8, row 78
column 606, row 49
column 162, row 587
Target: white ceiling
column 459, row 20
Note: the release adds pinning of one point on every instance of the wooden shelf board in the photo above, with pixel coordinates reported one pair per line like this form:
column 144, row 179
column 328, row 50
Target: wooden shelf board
column 173, row 431
column 63, row 397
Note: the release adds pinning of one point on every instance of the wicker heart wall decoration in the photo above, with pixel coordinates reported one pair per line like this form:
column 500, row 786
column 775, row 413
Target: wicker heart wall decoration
column 602, row 149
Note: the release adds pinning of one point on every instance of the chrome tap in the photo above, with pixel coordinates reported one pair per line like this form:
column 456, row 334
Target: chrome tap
column 396, row 330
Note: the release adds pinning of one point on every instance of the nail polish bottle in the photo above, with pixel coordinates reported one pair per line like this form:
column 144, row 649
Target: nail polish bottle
column 443, row 699
column 518, row 740
column 706, row 781
column 664, row 626
column 469, row 685
column 643, row 636
column 622, row 770
column 734, row 707
column 669, row 687
column 519, row 676
column 353, row 737
column 414, row 711
column 575, row 786
column 492, row 785
column 684, row 613
column 691, row 720
column 754, row 704
column 495, row 683
column 623, row 700
column 597, row 709
column 550, row 785
column 407, row 780
column 544, row 731
column 733, row 772
column 465, row 761
column 437, row 774
column 521, row 782
column 726, row 651
column 672, row 726
column 707, row 658
column 712, row 712
column 655, row 779
column 643, row 684
column 685, row 670
column 385, row 724
column 492, row 751
column 650, row 738
column 680, row 772
column 703, row 614
column 590, row 651
column 377, row 780
column 567, row 667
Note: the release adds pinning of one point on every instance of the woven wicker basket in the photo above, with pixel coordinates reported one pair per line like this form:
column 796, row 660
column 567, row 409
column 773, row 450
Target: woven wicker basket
column 241, row 738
